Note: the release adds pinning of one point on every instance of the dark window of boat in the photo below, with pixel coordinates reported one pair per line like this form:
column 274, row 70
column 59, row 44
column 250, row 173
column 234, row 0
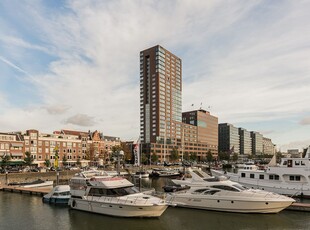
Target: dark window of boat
column 296, row 178
column 242, row 174
column 302, row 163
column 210, row 192
column 122, row 191
column 270, row 177
column 276, row 177
column 296, row 162
column 225, row 187
column 261, row 176
column 97, row 192
column 251, row 175
column 201, row 190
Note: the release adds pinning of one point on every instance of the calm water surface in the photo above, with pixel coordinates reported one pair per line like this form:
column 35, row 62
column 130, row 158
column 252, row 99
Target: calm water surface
column 20, row 211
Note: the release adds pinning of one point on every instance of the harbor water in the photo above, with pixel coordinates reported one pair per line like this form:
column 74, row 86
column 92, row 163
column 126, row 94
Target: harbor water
column 22, row 211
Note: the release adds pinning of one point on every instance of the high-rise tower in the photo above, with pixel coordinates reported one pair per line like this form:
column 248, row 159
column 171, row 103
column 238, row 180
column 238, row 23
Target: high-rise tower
column 160, row 96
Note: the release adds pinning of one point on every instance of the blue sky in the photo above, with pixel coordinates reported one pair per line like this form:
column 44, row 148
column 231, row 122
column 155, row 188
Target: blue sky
column 247, row 62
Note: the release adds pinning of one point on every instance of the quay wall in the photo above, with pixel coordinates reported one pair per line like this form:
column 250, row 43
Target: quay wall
column 64, row 176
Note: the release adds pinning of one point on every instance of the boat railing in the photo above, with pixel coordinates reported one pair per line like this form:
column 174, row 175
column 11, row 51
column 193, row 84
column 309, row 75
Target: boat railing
column 118, row 200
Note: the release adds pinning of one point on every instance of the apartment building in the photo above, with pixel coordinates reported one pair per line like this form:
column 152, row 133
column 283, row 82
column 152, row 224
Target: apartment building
column 161, row 126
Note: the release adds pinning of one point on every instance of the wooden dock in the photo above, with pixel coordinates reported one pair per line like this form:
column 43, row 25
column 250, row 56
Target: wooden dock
column 31, row 191
column 304, row 207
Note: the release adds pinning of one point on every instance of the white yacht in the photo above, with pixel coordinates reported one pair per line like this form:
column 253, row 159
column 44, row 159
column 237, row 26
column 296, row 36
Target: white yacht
column 113, row 196
column 290, row 177
column 220, row 194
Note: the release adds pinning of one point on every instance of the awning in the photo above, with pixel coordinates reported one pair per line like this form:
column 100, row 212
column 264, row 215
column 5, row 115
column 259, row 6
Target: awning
column 17, row 154
column 17, row 144
column 13, row 163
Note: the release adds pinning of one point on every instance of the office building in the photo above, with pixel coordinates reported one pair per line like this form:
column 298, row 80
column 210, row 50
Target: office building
column 229, row 139
column 245, row 142
column 257, row 143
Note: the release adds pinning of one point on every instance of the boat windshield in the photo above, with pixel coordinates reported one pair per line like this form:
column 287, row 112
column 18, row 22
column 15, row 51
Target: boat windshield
column 206, row 191
column 240, row 187
column 113, row 192
column 226, row 188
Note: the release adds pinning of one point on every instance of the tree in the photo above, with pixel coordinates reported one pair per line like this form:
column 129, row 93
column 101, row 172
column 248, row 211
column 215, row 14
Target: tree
column 78, row 162
column 28, row 159
column 235, row 157
column 154, row 157
column 174, row 155
column 193, row 156
column 224, row 156
column 144, row 158
column 64, row 160
column 127, row 151
column 186, row 156
column 5, row 159
column 209, row 157
column 47, row 163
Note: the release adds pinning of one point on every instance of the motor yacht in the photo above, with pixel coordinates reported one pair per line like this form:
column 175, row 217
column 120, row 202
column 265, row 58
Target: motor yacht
column 290, row 177
column 114, row 196
column 221, row 194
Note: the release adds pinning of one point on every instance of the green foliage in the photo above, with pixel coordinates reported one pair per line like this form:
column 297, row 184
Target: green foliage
column 115, row 150
column 47, row 163
column 209, row 156
column 64, row 159
column 174, row 155
column 144, row 158
column 186, row 156
column 127, row 151
column 193, row 156
column 5, row 159
column 154, row 157
column 224, row 156
column 28, row 158
column 235, row 157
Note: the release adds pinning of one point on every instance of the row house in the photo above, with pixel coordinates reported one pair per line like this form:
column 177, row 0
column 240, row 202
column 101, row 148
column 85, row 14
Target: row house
column 75, row 146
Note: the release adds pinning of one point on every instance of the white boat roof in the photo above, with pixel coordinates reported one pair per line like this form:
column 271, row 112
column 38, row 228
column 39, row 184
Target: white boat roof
column 91, row 173
column 110, row 182
column 61, row 188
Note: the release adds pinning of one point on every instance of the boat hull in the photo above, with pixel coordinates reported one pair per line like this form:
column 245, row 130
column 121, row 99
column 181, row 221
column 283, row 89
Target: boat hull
column 117, row 209
column 229, row 205
column 54, row 200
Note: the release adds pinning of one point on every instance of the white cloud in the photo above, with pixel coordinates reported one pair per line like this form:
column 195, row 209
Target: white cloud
column 81, row 120
column 247, row 60
column 305, row 121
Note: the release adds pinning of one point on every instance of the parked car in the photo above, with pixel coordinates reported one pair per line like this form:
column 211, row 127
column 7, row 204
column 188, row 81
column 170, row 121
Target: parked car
column 14, row 170
column 3, row 170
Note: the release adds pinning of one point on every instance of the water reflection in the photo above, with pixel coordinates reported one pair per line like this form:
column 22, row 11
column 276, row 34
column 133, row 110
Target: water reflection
column 19, row 211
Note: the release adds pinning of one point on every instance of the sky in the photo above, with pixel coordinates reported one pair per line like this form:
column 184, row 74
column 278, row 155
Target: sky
column 75, row 64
